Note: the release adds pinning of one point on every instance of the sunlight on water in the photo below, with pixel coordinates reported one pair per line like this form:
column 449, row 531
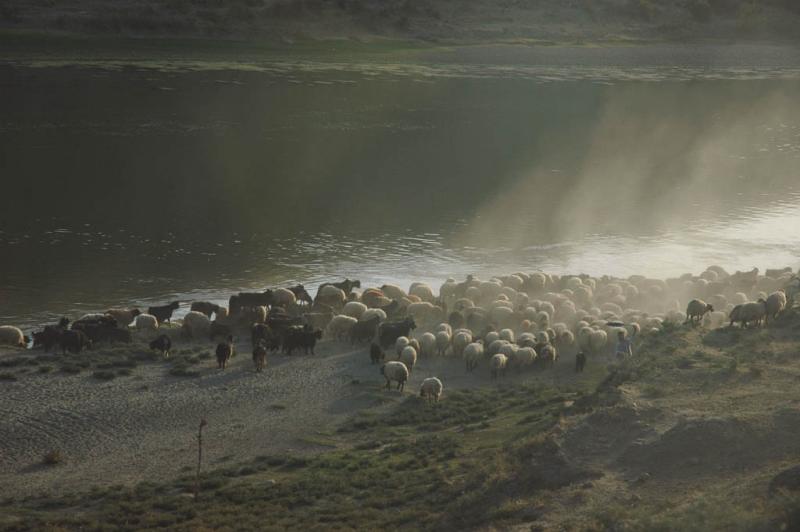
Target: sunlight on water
column 248, row 178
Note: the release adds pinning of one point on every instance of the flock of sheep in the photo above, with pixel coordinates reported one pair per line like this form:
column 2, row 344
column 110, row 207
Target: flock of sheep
column 522, row 321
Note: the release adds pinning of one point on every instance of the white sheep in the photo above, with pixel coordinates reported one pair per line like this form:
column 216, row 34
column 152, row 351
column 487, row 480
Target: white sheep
column 754, row 311
column 339, row 327
column 491, row 337
column 427, row 344
column 395, row 371
column 472, row 293
column 448, row 289
column 514, row 281
column 509, row 350
column 460, row 340
column 400, row 344
column 524, row 357
column 431, row 388
column 497, row 365
column 775, row 304
column 196, row 324
column 354, row 309
column 537, row 281
column 146, row 322
column 442, row 342
column 93, row 316
column 473, row 353
column 10, row 335
column 526, row 339
column 393, row 292
column 507, row 335
column 123, row 316
column 495, row 347
column 331, row 296
column 409, row 357
column 283, row 297
column 422, row 291
column 542, row 319
column 696, row 309
column 413, row 342
column 443, row 327
column 370, row 313
column 598, row 341
column 502, row 315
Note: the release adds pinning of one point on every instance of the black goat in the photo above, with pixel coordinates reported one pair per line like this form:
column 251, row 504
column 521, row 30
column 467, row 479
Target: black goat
column 205, row 307
column 301, row 338
column 364, row 331
column 164, row 313
column 389, row 332
column 74, row 341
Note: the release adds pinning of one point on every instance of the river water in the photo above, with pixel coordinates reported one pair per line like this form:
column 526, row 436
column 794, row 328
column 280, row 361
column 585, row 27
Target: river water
column 139, row 183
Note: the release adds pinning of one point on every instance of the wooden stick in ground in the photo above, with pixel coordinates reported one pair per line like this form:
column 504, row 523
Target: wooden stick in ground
column 203, row 423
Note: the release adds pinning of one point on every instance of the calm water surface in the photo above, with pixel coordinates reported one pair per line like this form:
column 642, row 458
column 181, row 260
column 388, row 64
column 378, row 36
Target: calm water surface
column 132, row 185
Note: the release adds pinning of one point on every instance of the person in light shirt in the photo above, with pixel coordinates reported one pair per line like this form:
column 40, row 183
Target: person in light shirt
column 624, row 346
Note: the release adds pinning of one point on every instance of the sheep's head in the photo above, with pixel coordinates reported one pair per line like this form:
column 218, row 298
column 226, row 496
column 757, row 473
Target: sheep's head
column 709, row 308
column 174, row 305
column 136, row 312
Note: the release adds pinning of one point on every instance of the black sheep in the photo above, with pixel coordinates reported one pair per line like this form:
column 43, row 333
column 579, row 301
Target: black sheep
column 376, row 354
column 74, row 341
column 580, row 362
column 49, row 336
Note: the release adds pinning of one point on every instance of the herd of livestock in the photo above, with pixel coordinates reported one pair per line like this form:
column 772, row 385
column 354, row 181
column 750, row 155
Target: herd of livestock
column 519, row 320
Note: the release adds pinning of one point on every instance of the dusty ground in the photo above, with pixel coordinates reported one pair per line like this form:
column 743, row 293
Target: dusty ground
column 143, row 426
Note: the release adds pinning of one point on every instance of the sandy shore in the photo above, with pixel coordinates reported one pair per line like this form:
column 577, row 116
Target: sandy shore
column 143, row 427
